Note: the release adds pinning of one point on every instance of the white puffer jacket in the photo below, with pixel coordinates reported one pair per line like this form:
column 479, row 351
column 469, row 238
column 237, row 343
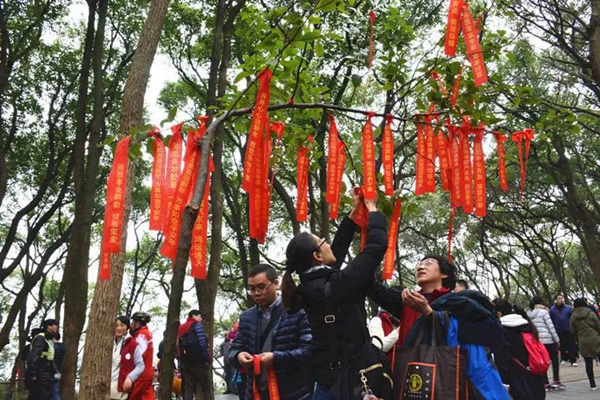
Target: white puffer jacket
column 543, row 323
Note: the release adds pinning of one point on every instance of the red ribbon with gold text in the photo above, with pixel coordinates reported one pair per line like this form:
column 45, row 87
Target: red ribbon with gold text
column 361, row 217
column 429, row 155
column 337, row 180
column 479, row 172
column 157, row 192
column 474, row 53
column 467, row 182
column 387, row 154
column 303, row 164
column 390, row 255
column 442, row 151
column 500, row 139
column 200, row 231
column 421, row 161
column 173, row 170
column 115, row 203
column 272, row 383
column 456, row 165
column 456, row 88
column 518, row 137
column 453, row 27
column 332, row 154
column 258, row 126
column 368, row 153
column 184, row 192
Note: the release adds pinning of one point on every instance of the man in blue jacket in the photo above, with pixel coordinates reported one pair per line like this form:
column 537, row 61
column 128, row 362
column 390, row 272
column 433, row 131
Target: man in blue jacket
column 560, row 313
column 272, row 340
column 194, row 356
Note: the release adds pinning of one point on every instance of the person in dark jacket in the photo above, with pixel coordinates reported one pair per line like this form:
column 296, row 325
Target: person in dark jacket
column 59, row 355
column 41, row 370
column 523, row 385
column 561, row 317
column 586, row 328
column 227, row 367
column 272, row 339
column 195, row 376
column 317, row 262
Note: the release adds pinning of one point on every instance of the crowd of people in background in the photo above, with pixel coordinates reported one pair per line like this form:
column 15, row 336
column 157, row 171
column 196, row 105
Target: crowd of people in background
column 299, row 341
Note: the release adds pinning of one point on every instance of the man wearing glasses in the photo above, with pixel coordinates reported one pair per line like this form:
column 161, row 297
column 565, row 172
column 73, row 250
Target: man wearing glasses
column 272, row 339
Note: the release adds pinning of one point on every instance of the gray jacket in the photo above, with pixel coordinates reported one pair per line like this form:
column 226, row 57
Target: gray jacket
column 543, row 323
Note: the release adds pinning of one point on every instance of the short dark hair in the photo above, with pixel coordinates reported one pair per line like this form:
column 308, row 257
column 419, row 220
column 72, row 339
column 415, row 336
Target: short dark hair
column 49, row 322
column 535, row 300
column 462, row 282
column 194, row 313
column 560, row 294
column 124, row 320
column 580, row 302
column 263, row 268
column 446, row 268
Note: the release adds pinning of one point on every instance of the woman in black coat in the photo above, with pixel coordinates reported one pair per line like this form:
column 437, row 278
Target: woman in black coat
column 319, row 263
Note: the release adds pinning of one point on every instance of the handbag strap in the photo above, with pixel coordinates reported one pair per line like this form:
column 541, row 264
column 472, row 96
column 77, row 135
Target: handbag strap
column 438, row 330
column 329, row 319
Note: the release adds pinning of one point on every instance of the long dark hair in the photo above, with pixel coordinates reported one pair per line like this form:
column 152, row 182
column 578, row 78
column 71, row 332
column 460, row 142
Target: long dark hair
column 299, row 258
column 505, row 308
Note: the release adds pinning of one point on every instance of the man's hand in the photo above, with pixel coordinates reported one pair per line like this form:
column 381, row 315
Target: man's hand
column 416, row 301
column 127, row 385
column 245, row 359
column 267, row 359
column 371, row 205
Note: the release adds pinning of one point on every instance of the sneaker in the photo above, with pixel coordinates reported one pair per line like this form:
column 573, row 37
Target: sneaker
column 562, row 363
column 594, row 388
column 557, row 385
column 548, row 388
column 574, row 365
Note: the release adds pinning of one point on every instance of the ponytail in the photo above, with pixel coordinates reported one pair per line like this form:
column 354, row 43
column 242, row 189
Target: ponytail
column 291, row 295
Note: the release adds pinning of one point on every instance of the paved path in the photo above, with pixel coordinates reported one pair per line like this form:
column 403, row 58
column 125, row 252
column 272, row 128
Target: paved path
column 574, row 378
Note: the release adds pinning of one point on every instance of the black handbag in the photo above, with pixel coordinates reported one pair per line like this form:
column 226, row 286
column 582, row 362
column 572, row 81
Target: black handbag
column 368, row 373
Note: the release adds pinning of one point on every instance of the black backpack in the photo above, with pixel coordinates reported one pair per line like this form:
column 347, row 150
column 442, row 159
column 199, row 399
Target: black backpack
column 189, row 348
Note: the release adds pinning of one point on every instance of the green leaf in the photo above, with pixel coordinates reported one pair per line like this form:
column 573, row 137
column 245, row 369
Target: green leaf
column 356, row 80
column 172, row 113
column 319, row 50
column 325, row 5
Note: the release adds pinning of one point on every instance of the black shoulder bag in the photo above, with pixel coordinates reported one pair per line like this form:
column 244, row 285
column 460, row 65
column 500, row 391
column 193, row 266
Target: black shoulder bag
column 368, row 373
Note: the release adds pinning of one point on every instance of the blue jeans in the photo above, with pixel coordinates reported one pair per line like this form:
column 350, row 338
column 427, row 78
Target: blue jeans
column 55, row 394
column 322, row 393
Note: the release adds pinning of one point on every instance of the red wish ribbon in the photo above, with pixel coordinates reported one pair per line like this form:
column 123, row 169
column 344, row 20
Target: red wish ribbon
column 371, row 40
column 303, row 164
column 332, row 154
column 479, row 172
column 337, row 180
column 456, row 165
column 200, row 231
column 438, row 79
column 361, row 217
column 368, row 153
column 429, row 155
column 173, row 169
column 421, row 160
column 272, row 384
column 258, row 126
column 390, row 255
column 456, row 88
column 453, row 27
column 467, row 182
column 157, row 191
column 473, row 47
column 518, row 137
column 115, row 204
column 387, row 154
column 500, row 139
column 445, row 167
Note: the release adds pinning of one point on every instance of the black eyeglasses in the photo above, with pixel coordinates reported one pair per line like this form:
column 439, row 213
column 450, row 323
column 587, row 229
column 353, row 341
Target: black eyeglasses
column 321, row 244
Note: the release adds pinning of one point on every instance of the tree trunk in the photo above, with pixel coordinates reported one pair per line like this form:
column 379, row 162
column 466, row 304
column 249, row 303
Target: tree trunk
column 95, row 371
column 76, row 265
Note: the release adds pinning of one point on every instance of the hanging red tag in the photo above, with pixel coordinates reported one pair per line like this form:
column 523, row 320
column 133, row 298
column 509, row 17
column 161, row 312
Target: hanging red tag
column 115, row 203
column 420, row 164
column 387, row 155
column 500, row 139
column 467, row 181
column 302, row 182
column 439, row 81
column 456, row 87
column 390, row 255
column 341, row 166
column 182, row 195
column 442, row 151
column 474, row 53
column 479, row 172
column 332, row 153
column 453, row 27
column 429, row 155
column 368, row 152
column 157, row 192
column 518, row 138
column 173, row 168
column 272, row 384
column 257, row 128
column 199, row 245
column 456, row 165
column 371, row 40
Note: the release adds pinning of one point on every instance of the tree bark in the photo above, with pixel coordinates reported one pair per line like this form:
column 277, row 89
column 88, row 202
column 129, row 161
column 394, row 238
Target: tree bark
column 95, row 371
